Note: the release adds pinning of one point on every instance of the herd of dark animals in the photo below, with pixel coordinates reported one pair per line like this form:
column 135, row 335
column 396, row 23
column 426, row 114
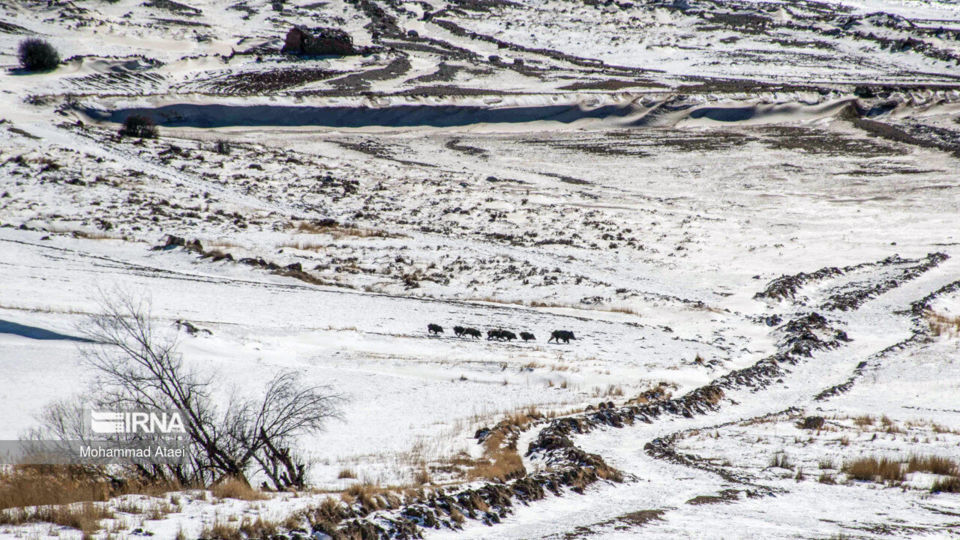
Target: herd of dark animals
column 500, row 334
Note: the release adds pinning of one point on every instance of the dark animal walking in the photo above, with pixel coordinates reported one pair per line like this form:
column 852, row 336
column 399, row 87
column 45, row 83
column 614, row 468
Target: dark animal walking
column 472, row 332
column 564, row 335
column 527, row 336
column 434, row 329
column 507, row 335
column 494, row 334
column 458, row 330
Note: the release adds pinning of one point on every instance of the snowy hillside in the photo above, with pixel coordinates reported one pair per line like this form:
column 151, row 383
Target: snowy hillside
column 747, row 212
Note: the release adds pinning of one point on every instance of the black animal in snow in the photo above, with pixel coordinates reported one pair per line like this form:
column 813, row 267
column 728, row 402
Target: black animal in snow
column 434, row 329
column 458, row 330
column 564, row 335
column 472, row 332
column 527, row 336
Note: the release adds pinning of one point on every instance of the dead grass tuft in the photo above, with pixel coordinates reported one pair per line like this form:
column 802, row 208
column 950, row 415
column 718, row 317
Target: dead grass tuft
column 873, row 469
column 236, row 489
column 367, row 494
column 933, row 465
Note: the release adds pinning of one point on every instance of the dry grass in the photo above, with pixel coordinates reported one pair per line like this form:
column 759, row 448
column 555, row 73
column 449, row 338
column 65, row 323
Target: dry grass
column 863, row 421
column 943, row 325
column 372, row 496
column 338, row 231
column 933, row 465
column 501, row 465
column 96, row 235
column 659, row 392
column 71, row 496
column 346, row 474
column 236, row 489
column 422, row 477
column 84, row 516
column 45, row 485
column 946, row 485
column 258, row 528
column 780, row 461
column 873, row 469
column 500, row 459
column 613, row 391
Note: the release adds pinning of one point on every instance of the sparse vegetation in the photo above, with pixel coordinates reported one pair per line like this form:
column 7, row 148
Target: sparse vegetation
column 780, row 461
column 36, row 54
column 943, row 325
column 85, row 516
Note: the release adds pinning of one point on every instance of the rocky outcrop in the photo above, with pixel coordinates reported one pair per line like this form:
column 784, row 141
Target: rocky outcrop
column 319, row 41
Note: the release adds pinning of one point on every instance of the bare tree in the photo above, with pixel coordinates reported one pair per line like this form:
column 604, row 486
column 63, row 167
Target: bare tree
column 138, row 368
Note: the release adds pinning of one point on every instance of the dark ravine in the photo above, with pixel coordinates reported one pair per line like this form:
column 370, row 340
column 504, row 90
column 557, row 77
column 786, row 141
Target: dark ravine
column 214, row 115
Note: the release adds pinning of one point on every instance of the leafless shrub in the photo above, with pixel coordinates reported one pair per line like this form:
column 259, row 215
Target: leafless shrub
column 139, row 369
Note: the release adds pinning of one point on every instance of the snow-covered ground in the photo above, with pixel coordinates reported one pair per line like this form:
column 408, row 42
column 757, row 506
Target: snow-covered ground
column 636, row 172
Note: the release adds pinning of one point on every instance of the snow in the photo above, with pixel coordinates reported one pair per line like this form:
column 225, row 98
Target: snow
column 642, row 204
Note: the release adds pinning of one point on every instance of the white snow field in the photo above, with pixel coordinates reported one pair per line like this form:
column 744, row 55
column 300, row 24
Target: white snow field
column 747, row 212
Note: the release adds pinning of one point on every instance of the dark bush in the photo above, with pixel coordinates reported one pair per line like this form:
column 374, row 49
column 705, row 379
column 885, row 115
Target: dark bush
column 137, row 125
column 223, row 147
column 37, row 55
